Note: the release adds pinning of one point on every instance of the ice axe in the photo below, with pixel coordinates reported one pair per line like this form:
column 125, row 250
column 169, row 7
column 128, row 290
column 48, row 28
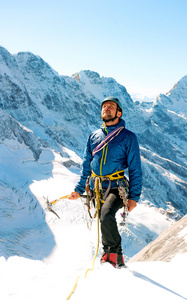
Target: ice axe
column 51, row 203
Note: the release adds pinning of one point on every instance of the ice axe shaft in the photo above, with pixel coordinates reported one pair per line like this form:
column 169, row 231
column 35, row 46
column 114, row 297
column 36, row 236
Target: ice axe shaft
column 55, row 201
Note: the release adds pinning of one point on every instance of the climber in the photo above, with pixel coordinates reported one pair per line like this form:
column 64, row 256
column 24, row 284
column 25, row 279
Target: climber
column 120, row 153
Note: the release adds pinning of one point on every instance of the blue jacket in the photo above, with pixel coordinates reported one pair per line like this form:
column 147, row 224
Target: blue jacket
column 121, row 153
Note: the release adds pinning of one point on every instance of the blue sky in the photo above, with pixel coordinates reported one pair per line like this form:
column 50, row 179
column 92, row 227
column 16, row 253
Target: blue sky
column 140, row 43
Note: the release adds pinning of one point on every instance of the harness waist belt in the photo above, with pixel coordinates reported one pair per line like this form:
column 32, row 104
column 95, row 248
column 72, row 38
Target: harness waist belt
column 115, row 176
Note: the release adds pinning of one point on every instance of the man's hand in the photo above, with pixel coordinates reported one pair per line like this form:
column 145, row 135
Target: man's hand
column 131, row 205
column 74, row 196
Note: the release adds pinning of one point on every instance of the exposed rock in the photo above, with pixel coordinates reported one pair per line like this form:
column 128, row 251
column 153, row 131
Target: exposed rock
column 171, row 242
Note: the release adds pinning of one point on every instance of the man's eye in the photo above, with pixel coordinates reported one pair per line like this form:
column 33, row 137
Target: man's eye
column 109, row 106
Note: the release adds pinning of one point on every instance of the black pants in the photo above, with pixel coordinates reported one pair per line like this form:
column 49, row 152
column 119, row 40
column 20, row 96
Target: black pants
column 109, row 229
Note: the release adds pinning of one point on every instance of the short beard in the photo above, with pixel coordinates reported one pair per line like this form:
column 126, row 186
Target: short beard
column 109, row 119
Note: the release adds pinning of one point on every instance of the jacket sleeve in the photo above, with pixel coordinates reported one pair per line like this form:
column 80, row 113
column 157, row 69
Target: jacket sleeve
column 86, row 169
column 134, row 169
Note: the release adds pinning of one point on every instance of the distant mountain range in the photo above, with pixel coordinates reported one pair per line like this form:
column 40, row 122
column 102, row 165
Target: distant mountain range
column 42, row 111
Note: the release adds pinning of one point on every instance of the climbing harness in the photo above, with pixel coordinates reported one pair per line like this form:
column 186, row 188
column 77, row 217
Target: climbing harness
column 114, row 176
column 123, row 189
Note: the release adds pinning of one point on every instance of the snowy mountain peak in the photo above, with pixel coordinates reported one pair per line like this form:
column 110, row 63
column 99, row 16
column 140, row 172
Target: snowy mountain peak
column 76, row 76
column 102, row 87
column 178, row 97
column 91, row 75
column 180, row 87
column 7, row 63
column 34, row 64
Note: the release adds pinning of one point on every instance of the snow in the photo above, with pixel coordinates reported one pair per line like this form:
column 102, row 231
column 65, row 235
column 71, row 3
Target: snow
column 53, row 276
column 38, row 280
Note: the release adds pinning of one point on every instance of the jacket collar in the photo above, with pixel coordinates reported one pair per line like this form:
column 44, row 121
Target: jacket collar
column 110, row 128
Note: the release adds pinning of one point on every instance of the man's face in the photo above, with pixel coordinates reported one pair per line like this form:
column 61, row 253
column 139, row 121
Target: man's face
column 108, row 111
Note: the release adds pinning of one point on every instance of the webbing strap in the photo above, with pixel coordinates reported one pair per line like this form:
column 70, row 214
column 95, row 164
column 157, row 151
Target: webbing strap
column 107, row 139
column 115, row 176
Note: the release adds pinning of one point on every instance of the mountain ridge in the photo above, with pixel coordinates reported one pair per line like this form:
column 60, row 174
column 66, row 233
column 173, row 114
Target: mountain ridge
column 62, row 111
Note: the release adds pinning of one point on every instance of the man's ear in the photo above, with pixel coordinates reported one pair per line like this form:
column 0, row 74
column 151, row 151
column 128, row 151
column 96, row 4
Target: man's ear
column 119, row 114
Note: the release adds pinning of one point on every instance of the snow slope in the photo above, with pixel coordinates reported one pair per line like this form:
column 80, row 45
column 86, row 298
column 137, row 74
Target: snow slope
column 53, row 275
column 38, row 280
